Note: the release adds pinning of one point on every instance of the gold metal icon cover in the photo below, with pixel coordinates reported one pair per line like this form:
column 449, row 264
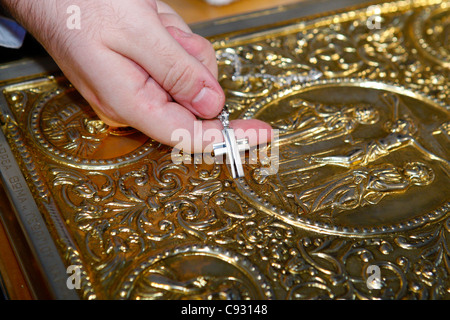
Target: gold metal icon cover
column 363, row 177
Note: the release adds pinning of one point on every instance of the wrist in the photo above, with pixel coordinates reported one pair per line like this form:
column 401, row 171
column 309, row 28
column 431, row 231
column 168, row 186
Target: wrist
column 16, row 9
column 34, row 16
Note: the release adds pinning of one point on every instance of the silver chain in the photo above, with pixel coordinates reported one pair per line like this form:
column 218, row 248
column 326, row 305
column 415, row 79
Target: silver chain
column 280, row 80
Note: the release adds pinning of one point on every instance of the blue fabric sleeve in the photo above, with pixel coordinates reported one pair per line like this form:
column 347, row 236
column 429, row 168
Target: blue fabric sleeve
column 12, row 34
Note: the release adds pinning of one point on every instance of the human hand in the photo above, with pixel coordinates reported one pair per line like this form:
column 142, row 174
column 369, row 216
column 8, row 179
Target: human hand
column 137, row 64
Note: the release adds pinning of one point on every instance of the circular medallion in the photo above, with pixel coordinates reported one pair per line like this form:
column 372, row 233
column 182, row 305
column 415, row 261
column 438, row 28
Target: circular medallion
column 431, row 33
column 196, row 272
column 354, row 157
column 66, row 128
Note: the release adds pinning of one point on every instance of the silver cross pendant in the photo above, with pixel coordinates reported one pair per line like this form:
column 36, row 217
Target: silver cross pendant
column 231, row 147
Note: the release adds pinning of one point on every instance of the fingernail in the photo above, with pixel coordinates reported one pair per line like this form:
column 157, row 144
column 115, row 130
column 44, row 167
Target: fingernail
column 206, row 102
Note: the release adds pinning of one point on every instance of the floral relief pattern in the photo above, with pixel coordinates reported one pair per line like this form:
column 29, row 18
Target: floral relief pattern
column 144, row 227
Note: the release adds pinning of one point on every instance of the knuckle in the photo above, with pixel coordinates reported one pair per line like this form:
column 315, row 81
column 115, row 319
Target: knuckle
column 205, row 53
column 203, row 46
column 106, row 113
column 178, row 78
column 110, row 117
column 146, row 108
column 206, row 44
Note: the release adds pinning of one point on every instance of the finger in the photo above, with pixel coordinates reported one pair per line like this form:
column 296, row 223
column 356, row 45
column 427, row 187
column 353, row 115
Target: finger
column 151, row 111
column 187, row 80
column 163, row 7
column 174, row 125
column 126, row 95
column 195, row 45
column 198, row 47
column 173, row 19
column 106, row 80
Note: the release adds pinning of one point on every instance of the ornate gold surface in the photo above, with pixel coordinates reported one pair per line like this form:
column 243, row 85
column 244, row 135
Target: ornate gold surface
column 363, row 174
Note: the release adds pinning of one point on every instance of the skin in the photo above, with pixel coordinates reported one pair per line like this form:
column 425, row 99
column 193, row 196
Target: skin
column 138, row 64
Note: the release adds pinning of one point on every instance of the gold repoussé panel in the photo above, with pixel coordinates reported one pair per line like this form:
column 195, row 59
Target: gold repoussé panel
column 362, row 184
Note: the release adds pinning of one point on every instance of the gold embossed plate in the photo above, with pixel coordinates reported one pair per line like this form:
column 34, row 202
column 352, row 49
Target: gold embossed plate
column 362, row 182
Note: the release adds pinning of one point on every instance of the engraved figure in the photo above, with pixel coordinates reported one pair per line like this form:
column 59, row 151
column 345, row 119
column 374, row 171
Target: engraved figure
column 362, row 187
column 363, row 182
column 402, row 132
column 316, row 122
column 373, row 150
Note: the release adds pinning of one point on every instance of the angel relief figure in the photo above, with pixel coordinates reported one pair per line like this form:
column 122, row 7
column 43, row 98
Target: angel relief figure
column 402, row 133
column 316, row 122
column 313, row 123
column 300, row 184
column 361, row 187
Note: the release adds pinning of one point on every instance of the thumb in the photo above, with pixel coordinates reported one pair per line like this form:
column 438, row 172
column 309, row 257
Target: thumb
column 188, row 81
column 197, row 46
